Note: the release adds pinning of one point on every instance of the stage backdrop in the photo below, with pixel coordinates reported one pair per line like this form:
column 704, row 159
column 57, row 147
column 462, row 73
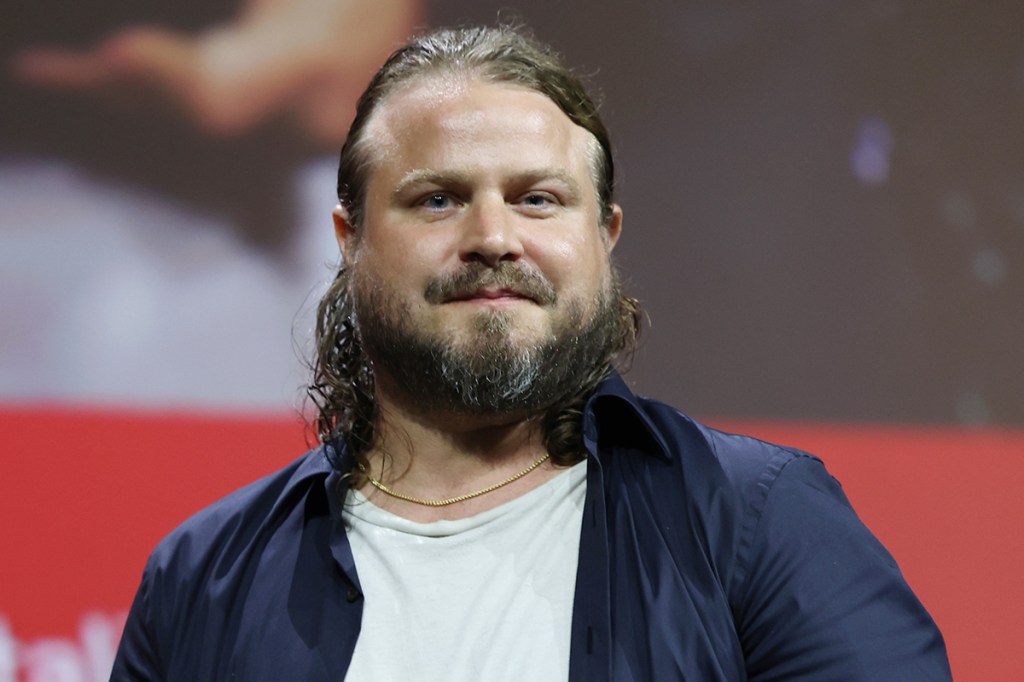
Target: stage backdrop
column 824, row 217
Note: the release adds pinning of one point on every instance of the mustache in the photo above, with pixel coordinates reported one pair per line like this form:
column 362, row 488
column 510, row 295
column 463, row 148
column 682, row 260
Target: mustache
column 476, row 276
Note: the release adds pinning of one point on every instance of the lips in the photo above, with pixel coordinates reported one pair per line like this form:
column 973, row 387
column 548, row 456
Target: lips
column 492, row 295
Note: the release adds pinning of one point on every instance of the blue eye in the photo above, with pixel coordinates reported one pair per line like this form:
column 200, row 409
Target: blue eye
column 539, row 203
column 437, row 202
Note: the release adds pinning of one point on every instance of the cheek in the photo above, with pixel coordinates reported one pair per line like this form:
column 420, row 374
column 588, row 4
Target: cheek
column 567, row 251
column 406, row 269
column 390, row 257
column 402, row 246
column 581, row 259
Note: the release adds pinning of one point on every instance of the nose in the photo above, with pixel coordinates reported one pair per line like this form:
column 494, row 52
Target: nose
column 491, row 233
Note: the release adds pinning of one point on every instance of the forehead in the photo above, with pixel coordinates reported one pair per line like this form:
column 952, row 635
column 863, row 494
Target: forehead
column 453, row 120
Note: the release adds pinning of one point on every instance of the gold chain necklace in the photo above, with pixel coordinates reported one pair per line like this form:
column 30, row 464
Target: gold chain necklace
column 449, row 500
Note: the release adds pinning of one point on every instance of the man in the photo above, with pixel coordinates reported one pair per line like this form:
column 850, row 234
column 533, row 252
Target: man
column 490, row 501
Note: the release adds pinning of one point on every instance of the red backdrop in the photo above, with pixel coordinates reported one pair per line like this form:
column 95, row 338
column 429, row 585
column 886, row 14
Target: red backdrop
column 85, row 495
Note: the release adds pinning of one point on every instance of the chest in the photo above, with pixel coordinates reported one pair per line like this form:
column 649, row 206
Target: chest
column 457, row 602
column 643, row 600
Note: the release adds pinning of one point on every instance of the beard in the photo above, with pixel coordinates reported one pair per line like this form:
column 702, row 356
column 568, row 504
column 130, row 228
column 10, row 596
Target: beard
column 489, row 372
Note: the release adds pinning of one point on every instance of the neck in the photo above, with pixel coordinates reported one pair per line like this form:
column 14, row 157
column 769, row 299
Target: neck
column 442, row 455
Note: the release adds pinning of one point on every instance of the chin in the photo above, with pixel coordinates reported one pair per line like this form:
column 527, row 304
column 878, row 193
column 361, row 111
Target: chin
column 513, row 326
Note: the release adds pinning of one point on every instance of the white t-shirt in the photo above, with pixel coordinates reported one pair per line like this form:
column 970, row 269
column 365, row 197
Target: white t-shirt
column 483, row 598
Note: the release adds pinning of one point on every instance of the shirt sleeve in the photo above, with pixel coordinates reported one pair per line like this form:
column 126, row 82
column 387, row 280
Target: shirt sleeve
column 823, row 599
column 137, row 659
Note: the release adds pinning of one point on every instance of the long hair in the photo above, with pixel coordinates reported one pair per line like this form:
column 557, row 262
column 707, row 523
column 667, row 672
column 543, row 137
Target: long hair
column 342, row 385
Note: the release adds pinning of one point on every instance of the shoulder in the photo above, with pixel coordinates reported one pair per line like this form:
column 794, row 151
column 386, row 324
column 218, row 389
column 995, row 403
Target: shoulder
column 198, row 571
column 748, row 465
column 809, row 587
column 687, row 466
column 688, row 474
column 236, row 521
column 740, row 486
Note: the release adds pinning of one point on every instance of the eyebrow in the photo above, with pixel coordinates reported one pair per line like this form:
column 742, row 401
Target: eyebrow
column 431, row 177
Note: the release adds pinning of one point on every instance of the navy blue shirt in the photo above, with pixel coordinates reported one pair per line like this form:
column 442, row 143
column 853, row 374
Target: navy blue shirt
column 703, row 556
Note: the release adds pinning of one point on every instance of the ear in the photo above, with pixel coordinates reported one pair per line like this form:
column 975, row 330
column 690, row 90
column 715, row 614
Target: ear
column 614, row 227
column 344, row 232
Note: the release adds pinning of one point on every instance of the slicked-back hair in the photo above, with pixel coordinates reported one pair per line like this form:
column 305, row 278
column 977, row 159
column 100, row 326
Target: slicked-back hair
column 503, row 54
column 343, row 382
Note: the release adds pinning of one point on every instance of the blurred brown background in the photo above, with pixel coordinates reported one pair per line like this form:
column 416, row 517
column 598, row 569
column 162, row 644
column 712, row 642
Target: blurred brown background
column 824, row 204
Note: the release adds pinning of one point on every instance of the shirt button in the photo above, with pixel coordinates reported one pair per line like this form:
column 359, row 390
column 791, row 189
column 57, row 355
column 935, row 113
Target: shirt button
column 352, row 594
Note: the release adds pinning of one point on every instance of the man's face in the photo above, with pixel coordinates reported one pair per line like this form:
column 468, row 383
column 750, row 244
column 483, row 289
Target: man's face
column 481, row 243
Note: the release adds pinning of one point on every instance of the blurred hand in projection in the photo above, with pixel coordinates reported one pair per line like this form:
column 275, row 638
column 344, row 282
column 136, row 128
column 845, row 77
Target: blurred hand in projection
column 305, row 60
